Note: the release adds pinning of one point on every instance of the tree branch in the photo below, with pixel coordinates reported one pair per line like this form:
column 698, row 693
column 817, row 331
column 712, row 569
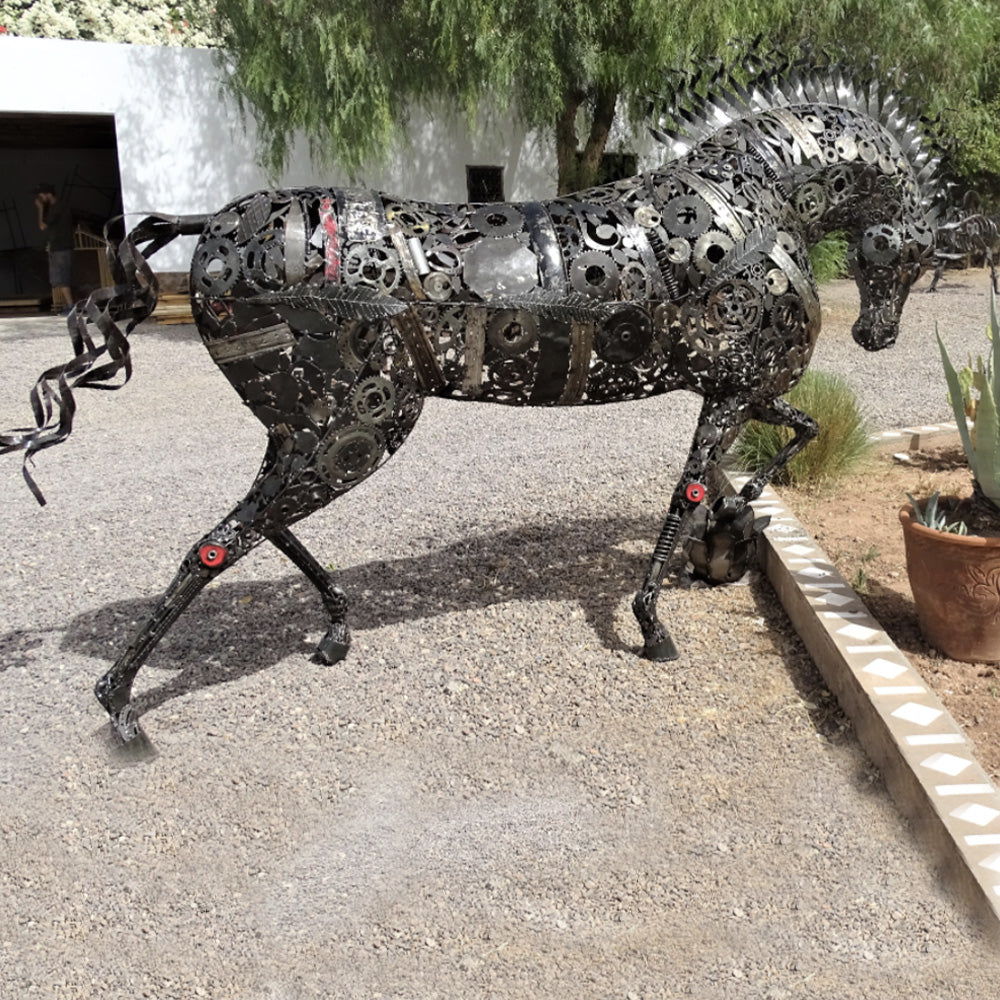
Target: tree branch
column 566, row 152
column 600, row 129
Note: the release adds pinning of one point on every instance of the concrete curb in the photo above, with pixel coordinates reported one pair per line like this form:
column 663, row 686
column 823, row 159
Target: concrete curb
column 927, row 761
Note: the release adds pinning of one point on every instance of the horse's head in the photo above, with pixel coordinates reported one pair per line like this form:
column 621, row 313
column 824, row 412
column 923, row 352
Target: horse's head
column 885, row 262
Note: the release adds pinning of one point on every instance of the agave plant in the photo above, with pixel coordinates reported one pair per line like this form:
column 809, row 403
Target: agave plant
column 930, row 517
column 974, row 392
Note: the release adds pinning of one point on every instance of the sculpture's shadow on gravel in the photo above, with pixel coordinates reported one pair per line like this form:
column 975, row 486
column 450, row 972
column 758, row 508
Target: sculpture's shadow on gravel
column 234, row 630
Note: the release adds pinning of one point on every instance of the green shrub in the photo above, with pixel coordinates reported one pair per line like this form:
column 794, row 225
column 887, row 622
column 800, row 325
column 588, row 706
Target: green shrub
column 841, row 445
column 829, row 257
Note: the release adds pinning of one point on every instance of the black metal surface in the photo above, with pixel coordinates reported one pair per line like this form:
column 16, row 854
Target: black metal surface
column 334, row 313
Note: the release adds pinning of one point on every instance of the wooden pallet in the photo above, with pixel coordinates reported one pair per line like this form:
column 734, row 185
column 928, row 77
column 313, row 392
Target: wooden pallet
column 173, row 310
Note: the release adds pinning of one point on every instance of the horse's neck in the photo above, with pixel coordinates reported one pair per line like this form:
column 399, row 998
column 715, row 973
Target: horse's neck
column 826, row 159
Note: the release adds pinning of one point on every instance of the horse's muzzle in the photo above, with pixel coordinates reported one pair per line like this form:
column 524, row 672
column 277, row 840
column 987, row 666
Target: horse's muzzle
column 876, row 328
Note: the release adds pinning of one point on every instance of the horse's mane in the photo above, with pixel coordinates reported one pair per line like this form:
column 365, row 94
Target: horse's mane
column 697, row 101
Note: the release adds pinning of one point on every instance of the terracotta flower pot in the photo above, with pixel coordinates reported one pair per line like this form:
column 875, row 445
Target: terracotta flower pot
column 955, row 581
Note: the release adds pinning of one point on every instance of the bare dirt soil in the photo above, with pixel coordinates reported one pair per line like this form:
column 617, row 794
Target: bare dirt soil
column 857, row 525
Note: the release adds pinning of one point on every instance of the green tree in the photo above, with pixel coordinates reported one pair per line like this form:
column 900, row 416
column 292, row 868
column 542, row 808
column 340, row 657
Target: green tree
column 347, row 73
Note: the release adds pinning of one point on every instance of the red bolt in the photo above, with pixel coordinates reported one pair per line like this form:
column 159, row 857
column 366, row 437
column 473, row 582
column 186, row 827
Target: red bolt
column 212, row 555
column 695, row 492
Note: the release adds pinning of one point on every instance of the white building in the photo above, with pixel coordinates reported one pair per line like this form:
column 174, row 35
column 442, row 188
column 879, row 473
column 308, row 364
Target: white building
column 143, row 129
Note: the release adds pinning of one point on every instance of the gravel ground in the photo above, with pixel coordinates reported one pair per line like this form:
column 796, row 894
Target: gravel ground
column 493, row 796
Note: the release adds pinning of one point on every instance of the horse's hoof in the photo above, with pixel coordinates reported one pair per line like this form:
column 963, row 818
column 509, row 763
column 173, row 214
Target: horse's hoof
column 660, row 650
column 116, row 702
column 333, row 646
column 125, row 724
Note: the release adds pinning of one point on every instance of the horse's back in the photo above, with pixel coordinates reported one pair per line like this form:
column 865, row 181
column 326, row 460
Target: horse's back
column 524, row 303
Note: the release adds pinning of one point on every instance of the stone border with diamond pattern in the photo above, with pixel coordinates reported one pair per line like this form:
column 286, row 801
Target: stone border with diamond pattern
column 925, row 758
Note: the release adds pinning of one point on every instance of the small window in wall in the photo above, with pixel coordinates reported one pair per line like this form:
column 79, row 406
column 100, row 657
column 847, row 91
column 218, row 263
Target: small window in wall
column 484, row 183
column 616, row 167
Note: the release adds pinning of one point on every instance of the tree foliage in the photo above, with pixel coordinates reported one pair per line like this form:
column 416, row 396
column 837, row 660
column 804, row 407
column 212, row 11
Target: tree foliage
column 349, row 72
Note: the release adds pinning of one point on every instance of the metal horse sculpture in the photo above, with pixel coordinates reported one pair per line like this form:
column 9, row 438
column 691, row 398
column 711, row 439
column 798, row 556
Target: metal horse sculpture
column 334, row 313
column 966, row 241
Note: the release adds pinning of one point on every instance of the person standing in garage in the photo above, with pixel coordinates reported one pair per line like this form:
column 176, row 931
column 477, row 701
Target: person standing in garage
column 55, row 219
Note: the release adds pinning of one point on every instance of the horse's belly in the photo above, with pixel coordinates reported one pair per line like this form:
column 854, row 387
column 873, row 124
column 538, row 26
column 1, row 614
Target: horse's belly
column 521, row 357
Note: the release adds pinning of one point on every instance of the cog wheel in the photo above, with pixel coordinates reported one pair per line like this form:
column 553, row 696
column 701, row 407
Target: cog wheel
column 687, row 215
column 497, row 220
column 215, row 267
column 839, row 184
column 264, row 263
column 512, row 331
column 595, row 274
column 710, row 250
column 350, row 456
column 881, row 244
column 373, row 264
column 788, row 315
column 374, row 400
column 810, row 201
column 635, row 281
column 357, row 344
column 625, row 335
column 735, row 307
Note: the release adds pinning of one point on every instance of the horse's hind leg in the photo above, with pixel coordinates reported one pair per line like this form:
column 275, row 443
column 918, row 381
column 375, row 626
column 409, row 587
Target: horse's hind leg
column 334, row 645
column 217, row 551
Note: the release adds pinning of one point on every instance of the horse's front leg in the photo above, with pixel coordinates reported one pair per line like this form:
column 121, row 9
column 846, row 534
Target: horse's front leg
column 715, row 420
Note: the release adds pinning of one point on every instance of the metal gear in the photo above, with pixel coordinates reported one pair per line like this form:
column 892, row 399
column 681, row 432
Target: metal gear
column 264, row 263
column 373, row 264
column 687, row 215
column 374, row 400
column 734, row 307
column 438, row 286
column 512, row 331
column 710, row 250
column 497, row 220
column 215, row 267
column 595, row 274
column 625, row 335
column 350, row 456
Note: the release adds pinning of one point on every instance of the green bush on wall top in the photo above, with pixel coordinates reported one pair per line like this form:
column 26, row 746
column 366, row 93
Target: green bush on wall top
column 842, row 443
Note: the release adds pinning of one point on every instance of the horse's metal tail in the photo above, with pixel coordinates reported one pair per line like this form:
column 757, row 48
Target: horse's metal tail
column 133, row 298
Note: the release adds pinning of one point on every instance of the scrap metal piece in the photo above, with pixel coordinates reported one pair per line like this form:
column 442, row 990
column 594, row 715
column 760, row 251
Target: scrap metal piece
column 500, row 267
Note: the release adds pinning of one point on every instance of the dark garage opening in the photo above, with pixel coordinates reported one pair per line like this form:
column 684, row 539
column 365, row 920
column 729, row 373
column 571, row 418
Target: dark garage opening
column 78, row 155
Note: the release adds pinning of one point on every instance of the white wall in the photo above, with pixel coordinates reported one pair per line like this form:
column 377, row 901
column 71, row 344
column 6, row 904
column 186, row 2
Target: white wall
column 183, row 148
